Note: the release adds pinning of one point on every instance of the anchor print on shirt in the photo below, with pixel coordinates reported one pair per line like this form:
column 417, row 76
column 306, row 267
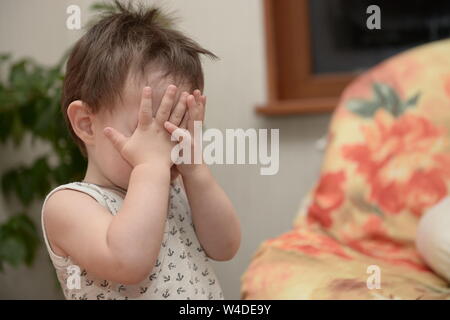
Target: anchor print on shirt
column 104, row 283
column 177, row 189
column 171, row 266
column 179, row 277
column 166, row 293
column 143, row 290
column 83, row 297
column 152, row 276
column 173, row 231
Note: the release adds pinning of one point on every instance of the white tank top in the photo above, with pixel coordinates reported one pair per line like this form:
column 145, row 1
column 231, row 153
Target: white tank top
column 182, row 269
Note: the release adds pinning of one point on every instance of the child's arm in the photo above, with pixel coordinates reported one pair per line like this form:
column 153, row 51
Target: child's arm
column 216, row 223
column 121, row 248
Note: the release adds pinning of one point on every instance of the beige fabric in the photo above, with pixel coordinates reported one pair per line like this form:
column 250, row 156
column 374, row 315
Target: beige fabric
column 182, row 269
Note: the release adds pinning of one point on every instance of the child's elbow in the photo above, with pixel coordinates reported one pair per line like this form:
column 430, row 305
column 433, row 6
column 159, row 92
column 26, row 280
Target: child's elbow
column 228, row 253
column 133, row 272
column 125, row 276
column 224, row 257
column 132, row 276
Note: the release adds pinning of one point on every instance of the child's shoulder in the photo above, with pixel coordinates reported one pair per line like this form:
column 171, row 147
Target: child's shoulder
column 71, row 199
column 67, row 196
column 73, row 191
column 63, row 192
column 64, row 207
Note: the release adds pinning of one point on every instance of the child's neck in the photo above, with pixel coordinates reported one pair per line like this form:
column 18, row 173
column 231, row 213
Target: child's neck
column 94, row 176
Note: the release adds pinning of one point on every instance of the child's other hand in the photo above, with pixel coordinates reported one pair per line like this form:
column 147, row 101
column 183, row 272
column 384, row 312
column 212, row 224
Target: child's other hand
column 195, row 105
column 150, row 143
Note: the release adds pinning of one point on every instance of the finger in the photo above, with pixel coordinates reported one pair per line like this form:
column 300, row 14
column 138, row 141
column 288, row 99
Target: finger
column 180, row 109
column 166, row 104
column 170, row 127
column 184, row 122
column 194, row 109
column 193, row 113
column 145, row 110
column 202, row 107
column 203, row 100
column 179, row 135
column 197, row 95
column 117, row 139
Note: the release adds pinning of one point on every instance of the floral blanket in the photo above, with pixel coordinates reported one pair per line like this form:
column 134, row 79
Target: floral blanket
column 386, row 162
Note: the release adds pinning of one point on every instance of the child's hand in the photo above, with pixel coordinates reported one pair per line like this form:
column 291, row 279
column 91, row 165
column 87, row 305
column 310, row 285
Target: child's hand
column 195, row 112
column 150, row 142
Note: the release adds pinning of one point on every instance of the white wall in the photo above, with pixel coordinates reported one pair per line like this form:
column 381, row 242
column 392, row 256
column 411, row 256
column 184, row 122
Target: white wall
column 232, row 29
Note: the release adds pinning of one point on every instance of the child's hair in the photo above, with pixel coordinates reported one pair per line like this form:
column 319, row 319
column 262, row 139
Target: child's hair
column 127, row 38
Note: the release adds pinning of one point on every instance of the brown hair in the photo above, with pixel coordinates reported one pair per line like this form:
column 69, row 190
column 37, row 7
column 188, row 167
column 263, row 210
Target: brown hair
column 126, row 37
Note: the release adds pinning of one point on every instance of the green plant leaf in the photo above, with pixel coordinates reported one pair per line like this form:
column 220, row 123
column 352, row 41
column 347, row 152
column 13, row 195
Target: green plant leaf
column 17, row 130
column 18, row 240
column 18, row 74
column 102, row 6
column 13, row 251
column 4, row 57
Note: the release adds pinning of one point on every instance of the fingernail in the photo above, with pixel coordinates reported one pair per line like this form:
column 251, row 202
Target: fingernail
column 147, row 91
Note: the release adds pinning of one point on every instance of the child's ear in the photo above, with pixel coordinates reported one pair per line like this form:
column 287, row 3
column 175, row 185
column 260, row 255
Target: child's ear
column 81, row 119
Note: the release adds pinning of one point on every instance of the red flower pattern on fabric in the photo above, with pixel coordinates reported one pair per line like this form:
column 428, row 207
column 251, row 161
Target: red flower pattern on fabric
column 395, row 159
column 328, row 196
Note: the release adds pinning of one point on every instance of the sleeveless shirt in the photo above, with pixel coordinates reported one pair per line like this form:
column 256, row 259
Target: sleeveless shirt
column 181, row 271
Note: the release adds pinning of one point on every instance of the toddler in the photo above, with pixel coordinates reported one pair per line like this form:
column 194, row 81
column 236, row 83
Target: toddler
column 137, row 226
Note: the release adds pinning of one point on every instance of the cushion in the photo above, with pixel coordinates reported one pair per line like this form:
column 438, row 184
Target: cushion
column 387, row 161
